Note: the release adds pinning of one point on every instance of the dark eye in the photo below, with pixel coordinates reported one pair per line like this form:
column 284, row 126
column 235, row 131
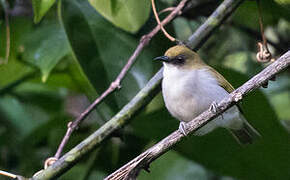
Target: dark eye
column 180, row 58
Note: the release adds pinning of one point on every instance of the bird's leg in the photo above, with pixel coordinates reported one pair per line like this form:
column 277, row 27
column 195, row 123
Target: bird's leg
column 183, row 128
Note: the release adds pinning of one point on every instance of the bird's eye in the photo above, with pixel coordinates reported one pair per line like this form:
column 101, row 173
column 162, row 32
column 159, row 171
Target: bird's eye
column 180, row 58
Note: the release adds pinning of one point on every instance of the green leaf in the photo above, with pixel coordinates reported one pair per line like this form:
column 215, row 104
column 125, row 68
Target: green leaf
column 182, row 28
column 40, row 8
column 102, row 51
column 22, row 116
column 279, row 95
column 128, row 15
column 45, row 47
column 272, row 11
column 283, row 2
column 15, row 69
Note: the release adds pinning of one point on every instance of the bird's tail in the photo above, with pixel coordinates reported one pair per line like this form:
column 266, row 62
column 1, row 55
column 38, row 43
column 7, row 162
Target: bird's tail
column 246, row 135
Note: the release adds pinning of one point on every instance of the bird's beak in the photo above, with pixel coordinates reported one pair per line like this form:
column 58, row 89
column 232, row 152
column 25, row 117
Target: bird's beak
column 162, row 58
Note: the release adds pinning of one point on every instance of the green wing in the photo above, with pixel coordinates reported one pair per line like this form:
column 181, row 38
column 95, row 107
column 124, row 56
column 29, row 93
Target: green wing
column 223, row 83
column 221, row 80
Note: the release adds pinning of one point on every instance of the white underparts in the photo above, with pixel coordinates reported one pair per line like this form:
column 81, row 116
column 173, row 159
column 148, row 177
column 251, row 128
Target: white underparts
column 188, row 93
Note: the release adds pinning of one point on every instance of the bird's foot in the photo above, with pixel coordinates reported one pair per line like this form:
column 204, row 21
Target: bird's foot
column 183, row 128
column 213, row 107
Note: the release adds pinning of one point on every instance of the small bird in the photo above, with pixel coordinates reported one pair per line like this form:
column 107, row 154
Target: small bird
column 190, row 87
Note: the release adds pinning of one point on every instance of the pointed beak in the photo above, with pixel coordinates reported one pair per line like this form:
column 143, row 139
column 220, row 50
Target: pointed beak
column 162, row 58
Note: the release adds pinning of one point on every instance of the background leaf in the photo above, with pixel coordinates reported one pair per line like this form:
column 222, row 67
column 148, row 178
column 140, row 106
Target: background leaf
column 40, row 8
column 109, row 50
column 47, row 46
column 128, row 15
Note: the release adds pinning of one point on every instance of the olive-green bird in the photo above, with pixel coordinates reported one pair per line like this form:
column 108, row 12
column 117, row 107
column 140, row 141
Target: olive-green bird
column 190, row 87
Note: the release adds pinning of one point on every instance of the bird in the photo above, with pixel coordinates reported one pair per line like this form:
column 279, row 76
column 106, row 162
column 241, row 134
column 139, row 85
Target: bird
column 190, row 86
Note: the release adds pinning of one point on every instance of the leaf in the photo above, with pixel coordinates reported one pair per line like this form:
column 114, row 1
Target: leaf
column 40, row 8
column 279, row 95
column 14, row 69
column 128, row 15
column 45, row 47
column 272, row 11
column 102, row 51
column 21, row 115
column 182, row 28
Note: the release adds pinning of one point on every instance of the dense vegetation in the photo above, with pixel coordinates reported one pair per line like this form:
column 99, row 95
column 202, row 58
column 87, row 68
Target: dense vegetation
column 64, row 54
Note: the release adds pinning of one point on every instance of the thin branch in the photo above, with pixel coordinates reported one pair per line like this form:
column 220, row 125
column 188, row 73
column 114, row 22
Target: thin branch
column 251, row 32
column 144, row 96
column 7, row 174
column 169, row 9
column 13, row 176
column 159, row 23
column 116, row 83
column 132, row 169
column 263, row 55
column 7, row 53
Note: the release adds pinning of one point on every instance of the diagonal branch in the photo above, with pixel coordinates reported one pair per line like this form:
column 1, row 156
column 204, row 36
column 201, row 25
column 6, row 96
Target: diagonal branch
column 132, row 169
column 116, row 84
column 139, row 101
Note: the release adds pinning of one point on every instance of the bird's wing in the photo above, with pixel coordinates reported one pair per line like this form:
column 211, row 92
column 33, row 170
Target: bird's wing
column 223, row 83
column 221, row 80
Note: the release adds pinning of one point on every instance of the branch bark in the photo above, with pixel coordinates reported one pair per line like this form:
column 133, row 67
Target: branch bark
column 139, row 101
column 132, row 169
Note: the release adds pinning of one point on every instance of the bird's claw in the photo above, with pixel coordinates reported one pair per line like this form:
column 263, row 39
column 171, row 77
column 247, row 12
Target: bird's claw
column 213, row 107
column 183, row 128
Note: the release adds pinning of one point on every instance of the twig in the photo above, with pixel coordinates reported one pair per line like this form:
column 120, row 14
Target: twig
column 116, row 83
column 159, row 23
column 263, row 55
column 144, row 96
column 4, row 173
column 132, row 169
column 167, row 10
column 7, row 53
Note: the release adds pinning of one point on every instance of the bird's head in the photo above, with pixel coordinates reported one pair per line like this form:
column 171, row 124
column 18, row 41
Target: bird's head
column 181, row 57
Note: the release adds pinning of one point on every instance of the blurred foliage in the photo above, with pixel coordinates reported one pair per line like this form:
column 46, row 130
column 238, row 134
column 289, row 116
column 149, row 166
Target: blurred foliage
column 40, row 8
column 128, row 15
column 60, row 65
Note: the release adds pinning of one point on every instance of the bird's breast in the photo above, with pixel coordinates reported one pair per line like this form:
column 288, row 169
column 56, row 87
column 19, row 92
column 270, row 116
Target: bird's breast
column 187, row 93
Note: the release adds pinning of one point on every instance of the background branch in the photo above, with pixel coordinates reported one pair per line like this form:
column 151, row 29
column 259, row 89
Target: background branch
column 139, row 101
column 7, row 52
column 132, row 169
column 116, row 83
